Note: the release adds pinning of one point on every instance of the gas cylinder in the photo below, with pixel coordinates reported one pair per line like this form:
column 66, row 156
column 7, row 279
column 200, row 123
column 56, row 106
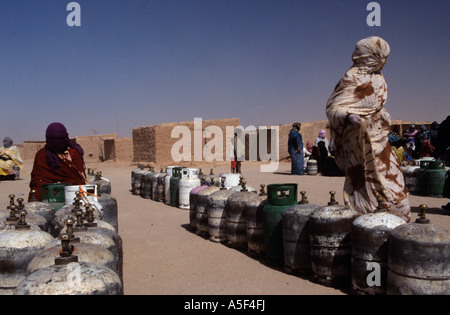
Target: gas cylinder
column 146, row 183
column 174, row 186
column 330, row 243
column 254, row 222
column 169, row 171
column 11, row 217
column 236, row 225
column 109, row 209
column 201, row 221
column 69, row 276
column 280, row 197
column 212, row 179
column 133, row 172
column 422, row 178
column 89, row 232
column 193, row 202
column 370, row 247
column 435, row 179
column 311, row 167
column 188, row 181
column 160, row 182
column 239, row 186
column 295, row 219
column 42, row 208
column 154, row 179
column 136, row 181
column 69, row 212
column 101, row 227
column 411, row 177
column 103, row 184
column 419, row 255
column 216, row 211
column 231, row 179
column 94, row 254
column 17, row 247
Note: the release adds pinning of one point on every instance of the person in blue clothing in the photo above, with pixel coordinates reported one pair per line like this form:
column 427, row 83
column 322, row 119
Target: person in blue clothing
column 295, row 148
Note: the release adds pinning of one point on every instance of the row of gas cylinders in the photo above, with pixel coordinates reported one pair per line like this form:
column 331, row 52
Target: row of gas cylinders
column 376, row 253
column 173, row 186
column 429, row 178
column 72, row 250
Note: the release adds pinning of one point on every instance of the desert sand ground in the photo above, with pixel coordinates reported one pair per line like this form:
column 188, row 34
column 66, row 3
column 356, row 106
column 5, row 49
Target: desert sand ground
column 162, row 256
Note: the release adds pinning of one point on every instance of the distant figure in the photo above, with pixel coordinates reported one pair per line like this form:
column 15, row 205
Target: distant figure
column 237, row 152
column 359, row 126
column 60, row 161
column 322, row 136
column 443, row 140
column 307, row 152
column 320, row 154
column 9, row 158
column 434, row 133
column 295, row 149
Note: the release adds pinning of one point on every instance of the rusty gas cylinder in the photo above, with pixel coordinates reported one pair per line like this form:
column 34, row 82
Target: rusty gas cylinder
column 370, row 247
column 330, row 243
column 69, row 212
column 201, row 221
column 254, row 222
column 419, row 256
column 69, row 276
column 295, row 220
column 44, row 209
column 236, row 225
column 32, row 218
column 17, row 247
column 193, row 203
column 109, row 208
column 217, row 215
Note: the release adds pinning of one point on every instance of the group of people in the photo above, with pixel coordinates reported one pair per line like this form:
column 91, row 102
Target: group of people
column 321, row 150
column 423, row 142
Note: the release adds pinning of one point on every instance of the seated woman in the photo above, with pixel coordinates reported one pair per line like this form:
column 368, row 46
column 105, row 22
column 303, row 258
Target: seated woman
column 9, row 158
column 60, row 161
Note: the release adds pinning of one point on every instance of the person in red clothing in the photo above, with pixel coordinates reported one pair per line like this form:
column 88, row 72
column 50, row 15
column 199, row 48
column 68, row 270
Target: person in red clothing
column 60, row 161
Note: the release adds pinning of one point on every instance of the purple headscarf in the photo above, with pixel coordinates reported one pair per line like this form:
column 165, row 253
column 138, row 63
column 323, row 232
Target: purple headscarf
column 58, row 141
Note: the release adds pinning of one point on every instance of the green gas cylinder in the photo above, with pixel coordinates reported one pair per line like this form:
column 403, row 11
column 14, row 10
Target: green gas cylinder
column 174, row 186
column 435, row 179
column 280, row 197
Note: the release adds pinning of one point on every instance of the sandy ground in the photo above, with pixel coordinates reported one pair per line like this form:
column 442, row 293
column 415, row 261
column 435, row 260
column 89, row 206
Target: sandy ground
column 163, row 256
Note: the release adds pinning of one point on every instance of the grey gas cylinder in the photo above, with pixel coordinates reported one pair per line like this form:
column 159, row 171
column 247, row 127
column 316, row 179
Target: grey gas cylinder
column 68, row 276
column 254, row 223
column 103, row 184
column 295, row 219
column 43, row 209
column 419, row 256
column 201, row 221
column 236, row 225
column 330, row 243
column 370, row 247
column 110, row 211
column 193, row 203
column 216, row 210
column 32, row 218
column 18, row 246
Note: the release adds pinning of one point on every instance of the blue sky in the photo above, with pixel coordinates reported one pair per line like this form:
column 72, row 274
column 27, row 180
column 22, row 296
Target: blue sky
column 136, row 63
